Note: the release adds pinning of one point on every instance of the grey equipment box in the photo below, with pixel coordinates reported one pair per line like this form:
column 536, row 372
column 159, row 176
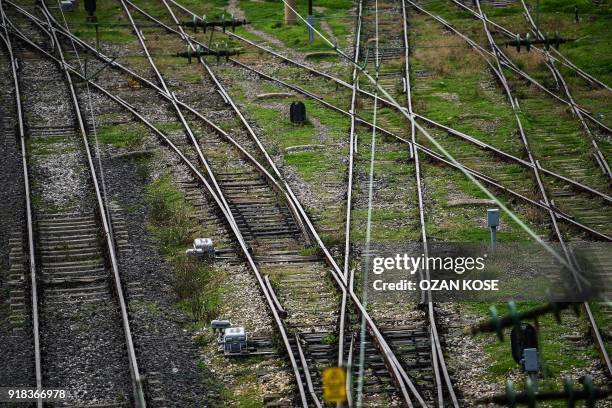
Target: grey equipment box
column 203, row 248
column 234, row 341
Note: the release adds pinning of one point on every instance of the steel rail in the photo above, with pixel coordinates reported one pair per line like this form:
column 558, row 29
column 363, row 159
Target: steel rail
column 303, row 361
column 523, row 136
column 567, row 254
column 306, row 372
column 139, row 397
column 347, row 85
column 161, row 92
column 400, row 376
column 220, row 195
column 390, row 359
column 432, row 154
column 436, row 348
column 135, row 376
column 509, row 64
column 599, row 157
column 388, row 103
column 488, row 180
column 228, row 216
column 516, row 159
column 558, row 212
column 454, row 132
column 436, row 353
column 564, row 60
column 225, row 95
column 172, row 100
column 229, row 99
column 593, row 323
column 349, row 186
column 279, row 307
column 349, row 374
column 28, row 211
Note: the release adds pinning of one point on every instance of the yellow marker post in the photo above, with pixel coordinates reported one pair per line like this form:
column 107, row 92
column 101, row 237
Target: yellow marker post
column 334, row 385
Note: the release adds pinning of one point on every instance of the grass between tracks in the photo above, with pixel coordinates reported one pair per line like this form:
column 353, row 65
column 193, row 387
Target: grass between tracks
column 128, row 136
column 447, row 97
column 174, row 225
column 113, row 24
column 268, row 15
column 589, row 50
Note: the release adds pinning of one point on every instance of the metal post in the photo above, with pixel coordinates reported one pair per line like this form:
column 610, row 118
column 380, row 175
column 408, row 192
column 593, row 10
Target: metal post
column 310, row 20
column 493, row 223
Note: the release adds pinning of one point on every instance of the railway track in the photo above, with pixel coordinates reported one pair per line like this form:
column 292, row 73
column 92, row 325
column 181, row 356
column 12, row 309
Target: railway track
column 301, row 288
column 591, row 132
column 74, row 277
column 554, row 153
column 589, row 213
column 242, row 192
column 509, row 179
column 376, row 336
column 569, row 257
column 387, row 55
column 514, row 176
column 405, row 335
column 15, row 328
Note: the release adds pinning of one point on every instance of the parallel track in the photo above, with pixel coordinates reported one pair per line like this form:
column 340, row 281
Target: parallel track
column 569, row 257
column 225, row 189
column 76, row 265
column 565, row 180
column 376, row 335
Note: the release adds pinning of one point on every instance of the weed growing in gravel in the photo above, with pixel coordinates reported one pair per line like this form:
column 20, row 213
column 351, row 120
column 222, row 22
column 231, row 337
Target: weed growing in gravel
column 197, row 287
column 268, row 17
column 169, row 213
column 128, row 136
column 174, row 226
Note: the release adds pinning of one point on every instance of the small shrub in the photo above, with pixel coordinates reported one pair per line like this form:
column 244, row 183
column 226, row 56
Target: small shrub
column 197, row 286
column 170, row 214
column 189, row 277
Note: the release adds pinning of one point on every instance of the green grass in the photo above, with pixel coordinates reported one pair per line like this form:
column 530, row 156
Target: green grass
column 310, row 164
column 268, row 16
column 174, row 225
column 246, row 391
column 604, row 322
column 170, row 214
column 128, row 136
column 557, row 354
column 50, row 146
